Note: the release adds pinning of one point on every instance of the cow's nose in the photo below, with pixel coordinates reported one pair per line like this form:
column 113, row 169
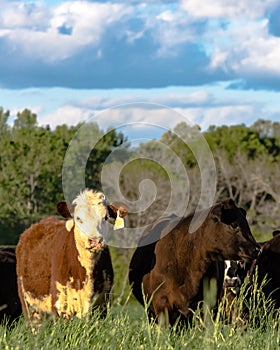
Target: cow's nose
column 96, row 242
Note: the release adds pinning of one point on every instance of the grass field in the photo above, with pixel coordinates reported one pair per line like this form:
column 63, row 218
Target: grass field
column 127, row 327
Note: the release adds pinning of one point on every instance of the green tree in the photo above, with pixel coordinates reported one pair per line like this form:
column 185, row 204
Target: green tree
column 232, row 139
column 106, row 143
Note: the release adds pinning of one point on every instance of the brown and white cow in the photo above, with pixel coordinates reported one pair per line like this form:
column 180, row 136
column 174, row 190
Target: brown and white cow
column 10, row 307
column 170, row 271
column 64, row 268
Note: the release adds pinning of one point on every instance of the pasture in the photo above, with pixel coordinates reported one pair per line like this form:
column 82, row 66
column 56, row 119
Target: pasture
column 126, row 326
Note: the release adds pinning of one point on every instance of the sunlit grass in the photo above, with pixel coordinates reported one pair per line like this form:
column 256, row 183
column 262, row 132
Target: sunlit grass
column 127, row 327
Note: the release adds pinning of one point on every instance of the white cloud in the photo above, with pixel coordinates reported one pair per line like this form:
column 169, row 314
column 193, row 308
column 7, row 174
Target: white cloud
column 235, row 38
column 85, row 21
column 226, row 115
column 132, row 116
column 151, row 115
column 245, row 47
column 226, row 9
column 171, row 29
column 168, row 98
column 15, row 14
column 67, row 114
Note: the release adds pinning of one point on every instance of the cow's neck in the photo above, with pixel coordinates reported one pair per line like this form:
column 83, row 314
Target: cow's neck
column 198, row 256
column 76, row 289
column 86, row 257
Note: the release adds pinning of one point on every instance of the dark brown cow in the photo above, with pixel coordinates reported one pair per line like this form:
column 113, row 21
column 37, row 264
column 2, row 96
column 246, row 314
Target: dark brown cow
column 64, row 268
column 171, row 269
column 268, row 275
column 10, row 307
column 268, row 264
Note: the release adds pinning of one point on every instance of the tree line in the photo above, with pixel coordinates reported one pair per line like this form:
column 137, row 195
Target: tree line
column 31, row 161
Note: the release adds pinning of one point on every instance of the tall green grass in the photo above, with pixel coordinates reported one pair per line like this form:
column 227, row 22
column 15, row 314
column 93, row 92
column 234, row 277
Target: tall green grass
column 127, row 327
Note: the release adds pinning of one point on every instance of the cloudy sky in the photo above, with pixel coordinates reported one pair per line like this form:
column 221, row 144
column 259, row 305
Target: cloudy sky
column 211, row 61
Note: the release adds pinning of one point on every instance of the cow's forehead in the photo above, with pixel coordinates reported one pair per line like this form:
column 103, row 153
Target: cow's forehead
column 89, row 198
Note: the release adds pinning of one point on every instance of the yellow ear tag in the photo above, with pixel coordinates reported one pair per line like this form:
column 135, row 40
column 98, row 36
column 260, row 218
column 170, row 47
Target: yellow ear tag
column 119, row 223
column 69, row 224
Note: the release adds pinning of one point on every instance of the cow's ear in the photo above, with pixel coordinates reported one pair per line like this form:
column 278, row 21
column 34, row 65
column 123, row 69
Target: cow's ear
column 276, row 233
column 228, row 204
column 117, row 209
column 216, row 212
column 243, row 211
column 65, row 209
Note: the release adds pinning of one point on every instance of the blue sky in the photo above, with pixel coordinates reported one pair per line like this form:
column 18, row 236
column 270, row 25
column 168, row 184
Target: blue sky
column 212, row 61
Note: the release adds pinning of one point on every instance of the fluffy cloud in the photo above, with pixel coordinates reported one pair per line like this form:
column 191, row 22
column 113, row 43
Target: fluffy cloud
column 18, row 14
column 161, row 111
column 247, row 50
column 143, row 120
column 226, row 9
column 111, row 44
column 51, row 34
column 67, row 114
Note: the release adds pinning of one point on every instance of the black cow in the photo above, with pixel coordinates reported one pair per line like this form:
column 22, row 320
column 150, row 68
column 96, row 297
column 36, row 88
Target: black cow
column 10, row 307
column 267, row 266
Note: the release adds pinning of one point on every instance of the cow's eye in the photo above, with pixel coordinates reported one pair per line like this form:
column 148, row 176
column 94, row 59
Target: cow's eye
column 234, row 225
column 79, row 220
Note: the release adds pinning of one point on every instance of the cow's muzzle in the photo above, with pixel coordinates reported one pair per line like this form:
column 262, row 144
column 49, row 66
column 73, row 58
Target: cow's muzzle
column 95, row 244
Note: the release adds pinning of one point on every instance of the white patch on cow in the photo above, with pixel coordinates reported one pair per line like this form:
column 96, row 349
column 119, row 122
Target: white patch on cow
column 227, row 262
column 72, row 302
column 233, row 283
column 36, row 307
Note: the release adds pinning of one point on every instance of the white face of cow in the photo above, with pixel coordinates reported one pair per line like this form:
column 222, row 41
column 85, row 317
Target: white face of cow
column 90, row 219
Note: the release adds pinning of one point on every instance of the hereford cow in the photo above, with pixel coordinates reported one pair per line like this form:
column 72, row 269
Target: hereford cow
column 170, row 271
column 10, row 308
column 64, row 268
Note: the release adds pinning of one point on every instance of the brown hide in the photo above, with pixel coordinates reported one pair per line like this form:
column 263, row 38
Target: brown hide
column 10, row 307
column 48, row 257
column 172, row 268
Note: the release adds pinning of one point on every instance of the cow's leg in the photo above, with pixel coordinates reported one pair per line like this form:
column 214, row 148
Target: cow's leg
column 161, row 306
column 179, row 301
column 163, row 318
